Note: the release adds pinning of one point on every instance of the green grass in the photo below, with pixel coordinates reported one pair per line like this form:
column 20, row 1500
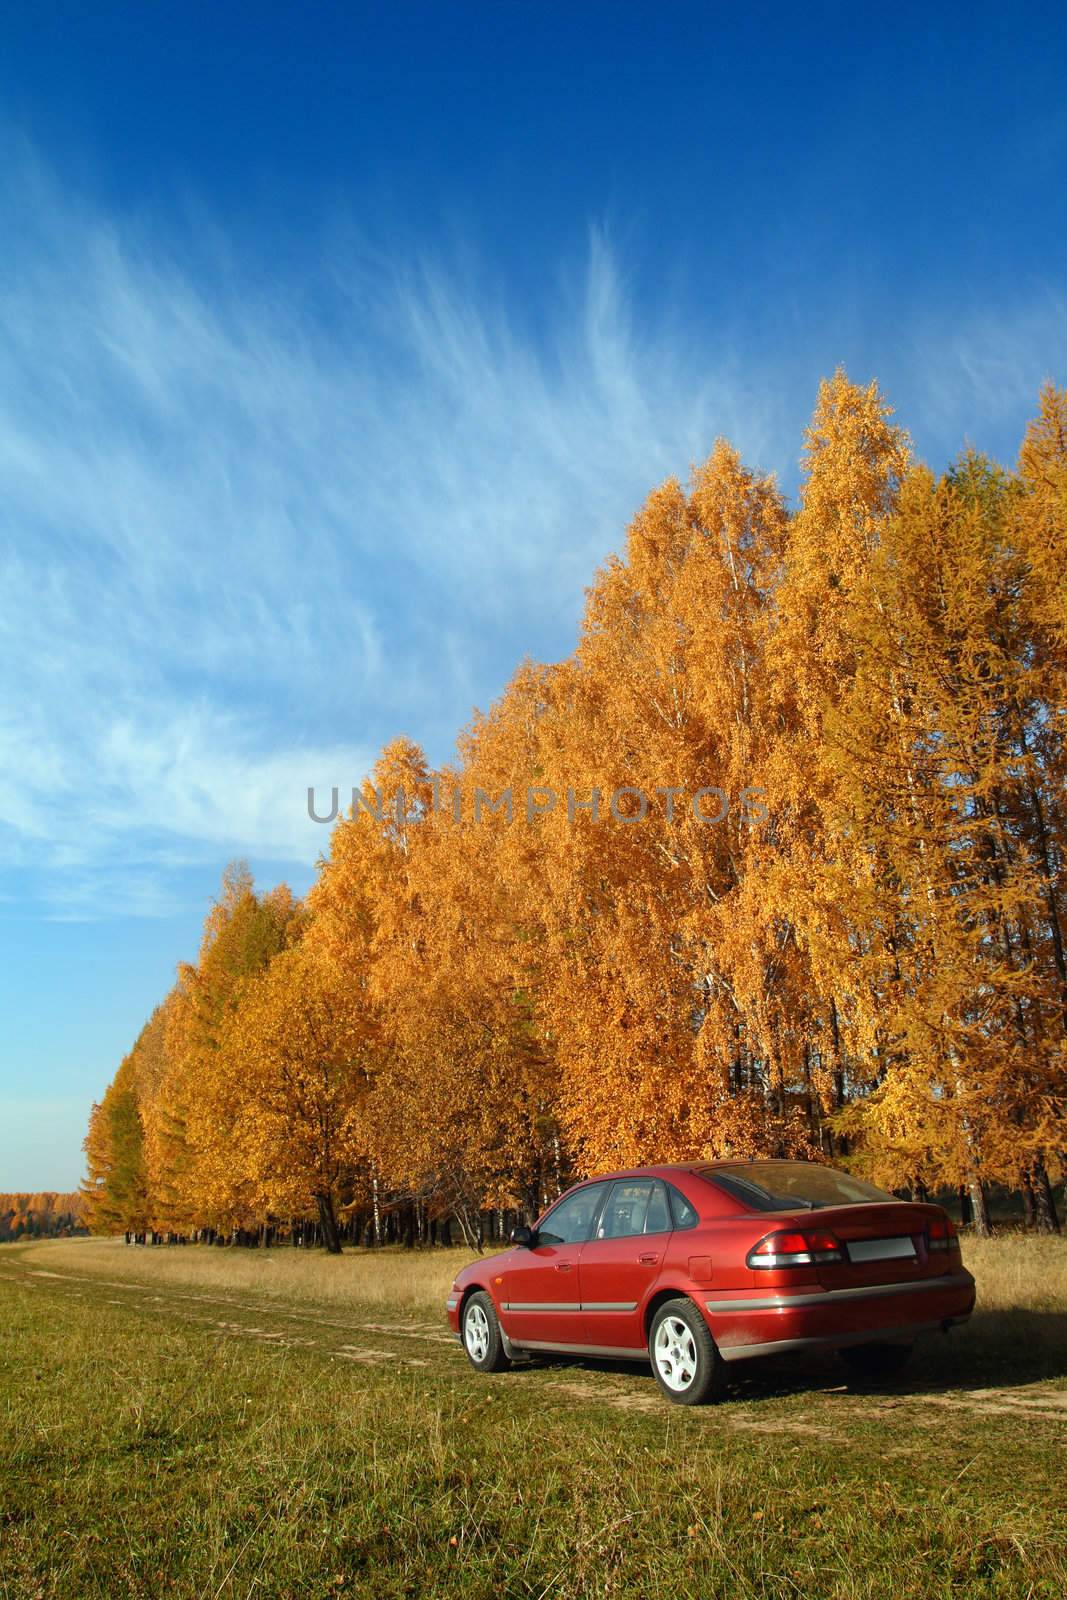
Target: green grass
column 202, row 1444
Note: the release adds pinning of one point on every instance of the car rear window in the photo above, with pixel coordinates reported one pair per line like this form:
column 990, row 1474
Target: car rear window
column 779, row 1185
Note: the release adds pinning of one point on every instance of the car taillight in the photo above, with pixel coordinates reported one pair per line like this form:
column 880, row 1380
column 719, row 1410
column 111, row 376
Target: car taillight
column 941, row 1234
column 799, row 1249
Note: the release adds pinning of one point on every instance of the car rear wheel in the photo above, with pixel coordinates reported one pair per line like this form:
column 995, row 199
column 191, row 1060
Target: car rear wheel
column 686, row 1364
column 482, row 1338
column 876, row 1360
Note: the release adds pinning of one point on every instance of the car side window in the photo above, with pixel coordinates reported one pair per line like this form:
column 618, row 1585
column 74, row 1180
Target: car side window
column 658, row 1217
column 685, row 1213
column 625, row 1209
column 571, row 1222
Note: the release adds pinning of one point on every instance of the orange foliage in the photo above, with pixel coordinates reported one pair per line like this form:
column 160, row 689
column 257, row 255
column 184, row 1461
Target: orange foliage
column 862, row 959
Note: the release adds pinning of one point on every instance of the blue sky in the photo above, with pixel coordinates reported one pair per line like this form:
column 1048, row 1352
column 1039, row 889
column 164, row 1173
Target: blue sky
column 338, row 343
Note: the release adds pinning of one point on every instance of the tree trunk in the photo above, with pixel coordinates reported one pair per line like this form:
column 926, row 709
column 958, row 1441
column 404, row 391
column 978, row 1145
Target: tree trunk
column 1045, row 1206
column 1026, row 1189
column 328, row 1222
column 1049, row 875
column 982, row 1227
column 839, row 1144
column 470, row 1227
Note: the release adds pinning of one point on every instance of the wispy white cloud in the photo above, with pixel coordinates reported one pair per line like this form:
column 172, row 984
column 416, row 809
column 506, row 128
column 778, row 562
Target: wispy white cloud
column 978, row 373
column 251, row 529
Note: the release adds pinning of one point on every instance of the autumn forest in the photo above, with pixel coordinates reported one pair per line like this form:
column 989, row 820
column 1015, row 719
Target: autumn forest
column 867, row 965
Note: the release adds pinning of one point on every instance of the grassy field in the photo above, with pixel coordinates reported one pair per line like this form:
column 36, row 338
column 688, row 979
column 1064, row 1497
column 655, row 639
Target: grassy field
column 415, row 1280
column 219, row 1423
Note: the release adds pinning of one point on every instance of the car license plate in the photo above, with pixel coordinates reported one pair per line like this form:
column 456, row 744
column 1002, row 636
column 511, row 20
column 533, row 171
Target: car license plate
column 902, row 1249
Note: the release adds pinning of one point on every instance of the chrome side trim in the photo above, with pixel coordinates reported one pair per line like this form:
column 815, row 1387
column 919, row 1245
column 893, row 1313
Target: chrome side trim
column 895, row 1335
column 826, row 1297
column 540, row 1305
column 568, row 1305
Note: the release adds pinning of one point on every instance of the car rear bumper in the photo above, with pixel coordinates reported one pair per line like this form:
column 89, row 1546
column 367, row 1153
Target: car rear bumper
column 744, row 1326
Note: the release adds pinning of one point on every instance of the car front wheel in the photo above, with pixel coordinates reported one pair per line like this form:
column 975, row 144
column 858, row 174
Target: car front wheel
column 482, row 1338
column 687, row 1366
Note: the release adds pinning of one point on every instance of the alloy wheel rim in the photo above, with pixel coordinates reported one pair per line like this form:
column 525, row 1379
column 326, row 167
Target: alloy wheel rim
column 675, row 1353
column 476, row 1333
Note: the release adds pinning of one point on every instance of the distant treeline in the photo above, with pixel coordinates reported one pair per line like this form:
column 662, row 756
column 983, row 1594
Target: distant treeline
column 40, row 1216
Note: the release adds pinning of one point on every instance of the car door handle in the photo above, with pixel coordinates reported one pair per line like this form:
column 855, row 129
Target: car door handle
column 648, row 1259
column 564, row 1266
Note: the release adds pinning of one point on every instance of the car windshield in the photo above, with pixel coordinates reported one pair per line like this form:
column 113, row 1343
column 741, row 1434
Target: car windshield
column 782, row 1185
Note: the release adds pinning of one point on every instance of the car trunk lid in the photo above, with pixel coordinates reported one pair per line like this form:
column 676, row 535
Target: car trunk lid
column 881, row 1243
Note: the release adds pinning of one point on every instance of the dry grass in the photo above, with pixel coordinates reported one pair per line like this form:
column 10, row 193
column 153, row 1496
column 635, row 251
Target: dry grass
column 1019, row 1272
column 397, row 1278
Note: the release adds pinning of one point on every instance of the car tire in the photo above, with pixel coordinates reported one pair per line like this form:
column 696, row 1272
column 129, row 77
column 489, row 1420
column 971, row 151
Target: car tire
column 482, row 1338
column 876, row 1360
column 685, row 1362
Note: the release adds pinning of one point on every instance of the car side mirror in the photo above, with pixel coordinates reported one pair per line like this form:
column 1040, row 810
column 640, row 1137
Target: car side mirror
column 523, row 1237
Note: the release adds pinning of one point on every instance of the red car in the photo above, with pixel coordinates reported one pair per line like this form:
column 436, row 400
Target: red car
column 691, row 1267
